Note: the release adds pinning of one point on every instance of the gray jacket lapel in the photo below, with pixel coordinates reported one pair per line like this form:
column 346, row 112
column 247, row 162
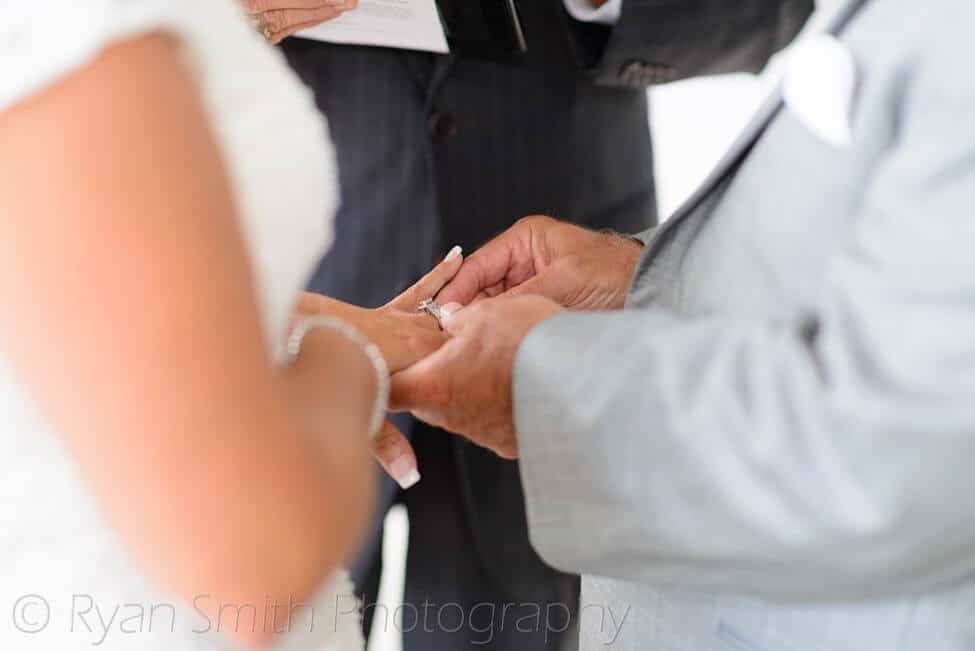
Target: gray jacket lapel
column 743, row 144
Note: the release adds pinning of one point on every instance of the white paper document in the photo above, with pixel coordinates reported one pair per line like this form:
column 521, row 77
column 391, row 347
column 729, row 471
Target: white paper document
column 407, row 24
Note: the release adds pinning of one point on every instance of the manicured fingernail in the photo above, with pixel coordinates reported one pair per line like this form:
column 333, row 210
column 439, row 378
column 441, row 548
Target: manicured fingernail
column 454, row 252
column 404, row 472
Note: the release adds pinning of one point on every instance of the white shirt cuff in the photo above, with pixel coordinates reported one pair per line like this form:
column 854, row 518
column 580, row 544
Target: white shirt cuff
column 608, row 14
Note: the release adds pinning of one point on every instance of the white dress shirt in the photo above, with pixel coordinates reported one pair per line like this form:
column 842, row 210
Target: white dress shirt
column 584, row 10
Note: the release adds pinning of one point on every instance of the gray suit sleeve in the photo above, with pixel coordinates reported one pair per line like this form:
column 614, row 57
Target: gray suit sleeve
column 658, row 41
column 824, row 457
column 644, row 237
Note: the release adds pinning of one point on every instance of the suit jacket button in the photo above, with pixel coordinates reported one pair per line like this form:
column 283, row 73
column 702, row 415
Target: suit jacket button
column 442, row 127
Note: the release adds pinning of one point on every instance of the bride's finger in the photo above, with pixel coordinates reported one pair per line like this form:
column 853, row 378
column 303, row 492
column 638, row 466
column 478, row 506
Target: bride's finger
column 431, row 284
column 395, row 454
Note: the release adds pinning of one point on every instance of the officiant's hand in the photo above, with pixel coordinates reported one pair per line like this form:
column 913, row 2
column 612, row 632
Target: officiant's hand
column 577, row 268
column 279, row 19
column 465, row 387
column 404, row 336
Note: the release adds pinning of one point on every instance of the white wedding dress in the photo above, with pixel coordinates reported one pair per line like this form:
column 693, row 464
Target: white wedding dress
column 66, row 582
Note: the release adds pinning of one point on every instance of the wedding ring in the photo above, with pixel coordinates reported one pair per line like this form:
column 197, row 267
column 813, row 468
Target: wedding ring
column 259, row 21
column 431, row 307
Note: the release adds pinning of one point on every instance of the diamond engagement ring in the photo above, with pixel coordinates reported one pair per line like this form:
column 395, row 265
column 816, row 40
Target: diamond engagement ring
column 432, row 308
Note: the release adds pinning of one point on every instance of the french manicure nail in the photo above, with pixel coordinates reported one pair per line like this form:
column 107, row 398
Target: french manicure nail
column 404, row 472
column 454, row 252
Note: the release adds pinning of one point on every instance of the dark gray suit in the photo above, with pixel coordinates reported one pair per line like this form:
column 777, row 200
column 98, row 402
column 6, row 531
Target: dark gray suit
column 436, row 151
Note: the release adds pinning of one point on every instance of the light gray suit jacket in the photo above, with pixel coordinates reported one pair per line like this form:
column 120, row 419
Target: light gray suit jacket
column 437, row 151
column 772, row 448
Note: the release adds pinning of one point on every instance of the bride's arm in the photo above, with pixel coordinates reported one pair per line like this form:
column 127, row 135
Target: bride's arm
column 129, row 315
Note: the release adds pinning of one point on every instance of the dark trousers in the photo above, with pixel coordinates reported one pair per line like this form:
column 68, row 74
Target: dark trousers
column 452, row 601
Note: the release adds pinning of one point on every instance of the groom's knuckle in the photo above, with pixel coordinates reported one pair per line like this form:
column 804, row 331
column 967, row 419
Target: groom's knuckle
column 568, row 268
column 505, row 451
column 534, row 220
column 563, row 264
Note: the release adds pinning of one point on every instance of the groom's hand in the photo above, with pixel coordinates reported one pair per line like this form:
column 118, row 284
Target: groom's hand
column 575, row 267
column 465, row 387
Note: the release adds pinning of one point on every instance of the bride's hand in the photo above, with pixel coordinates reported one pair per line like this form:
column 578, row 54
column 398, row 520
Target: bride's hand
column 404, row 336
column 279, row 19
